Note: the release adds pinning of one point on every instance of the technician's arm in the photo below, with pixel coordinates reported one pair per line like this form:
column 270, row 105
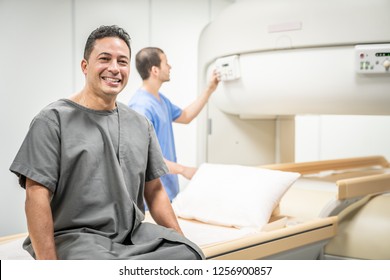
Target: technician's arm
column 192, row 110
column 40, row 220
column 176, row 168
column 159, row 205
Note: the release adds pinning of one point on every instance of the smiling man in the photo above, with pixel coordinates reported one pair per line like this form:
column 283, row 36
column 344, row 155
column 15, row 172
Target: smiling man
column 89, row 162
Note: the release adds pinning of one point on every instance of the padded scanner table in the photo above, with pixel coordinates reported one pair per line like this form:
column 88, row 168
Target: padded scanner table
column 338, row 209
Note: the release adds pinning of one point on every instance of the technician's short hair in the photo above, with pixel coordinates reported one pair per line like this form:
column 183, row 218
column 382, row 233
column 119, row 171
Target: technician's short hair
column 145, row 59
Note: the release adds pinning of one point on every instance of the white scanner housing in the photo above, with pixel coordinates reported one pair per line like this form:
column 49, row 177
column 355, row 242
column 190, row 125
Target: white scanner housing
column 300, row 57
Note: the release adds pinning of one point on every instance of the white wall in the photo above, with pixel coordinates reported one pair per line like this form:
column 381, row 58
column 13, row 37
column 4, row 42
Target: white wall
column 332, row 137
column 42, row 42
column 36, row 69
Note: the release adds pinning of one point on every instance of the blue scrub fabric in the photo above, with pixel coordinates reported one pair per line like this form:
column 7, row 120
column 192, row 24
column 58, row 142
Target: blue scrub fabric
column 161, row 113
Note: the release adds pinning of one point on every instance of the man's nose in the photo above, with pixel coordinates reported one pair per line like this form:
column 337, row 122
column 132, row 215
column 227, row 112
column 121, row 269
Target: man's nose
column 113, row 67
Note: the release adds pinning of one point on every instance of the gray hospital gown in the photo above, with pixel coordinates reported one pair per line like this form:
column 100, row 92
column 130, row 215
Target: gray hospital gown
column 96, row 170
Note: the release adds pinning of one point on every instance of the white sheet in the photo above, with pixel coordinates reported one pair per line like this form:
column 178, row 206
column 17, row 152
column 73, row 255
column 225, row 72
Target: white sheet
column 205, row 234
column 13, row 250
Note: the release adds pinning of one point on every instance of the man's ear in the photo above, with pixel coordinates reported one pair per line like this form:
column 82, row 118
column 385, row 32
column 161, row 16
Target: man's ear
column 84, row 65
column 154, row 70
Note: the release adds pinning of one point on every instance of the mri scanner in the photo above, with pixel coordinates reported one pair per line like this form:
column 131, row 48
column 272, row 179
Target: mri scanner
column 276, row 60
column 279, row 59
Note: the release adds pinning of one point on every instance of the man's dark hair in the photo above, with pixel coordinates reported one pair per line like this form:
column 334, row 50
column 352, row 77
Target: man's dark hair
column 103, row 32
column 146, row 59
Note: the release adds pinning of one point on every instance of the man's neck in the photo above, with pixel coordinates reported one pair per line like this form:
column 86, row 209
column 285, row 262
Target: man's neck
column 152, row 87
column 85, row 99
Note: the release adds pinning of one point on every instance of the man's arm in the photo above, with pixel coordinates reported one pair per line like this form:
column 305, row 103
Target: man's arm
column 40, row 220
column 191, row 111
column 159, row 205
column 176, row 168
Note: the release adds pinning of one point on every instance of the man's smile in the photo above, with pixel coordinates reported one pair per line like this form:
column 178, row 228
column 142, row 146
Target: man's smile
column 112, row 80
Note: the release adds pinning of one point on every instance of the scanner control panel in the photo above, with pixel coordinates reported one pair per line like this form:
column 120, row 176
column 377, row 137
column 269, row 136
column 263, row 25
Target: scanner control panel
column 372, row 58
column 228, row 68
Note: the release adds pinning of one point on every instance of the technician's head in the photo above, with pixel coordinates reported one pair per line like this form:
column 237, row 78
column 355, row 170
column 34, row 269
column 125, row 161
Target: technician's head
column 152, row 61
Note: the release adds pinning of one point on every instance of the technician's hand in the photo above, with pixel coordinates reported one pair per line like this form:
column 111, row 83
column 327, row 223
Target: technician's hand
column 213, row 83
column 188, row 172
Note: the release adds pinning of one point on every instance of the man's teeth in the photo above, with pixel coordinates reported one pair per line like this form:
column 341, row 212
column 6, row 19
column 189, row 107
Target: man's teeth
column 112, row 80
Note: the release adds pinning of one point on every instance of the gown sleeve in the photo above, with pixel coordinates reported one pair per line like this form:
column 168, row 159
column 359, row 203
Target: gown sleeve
column 39, row 155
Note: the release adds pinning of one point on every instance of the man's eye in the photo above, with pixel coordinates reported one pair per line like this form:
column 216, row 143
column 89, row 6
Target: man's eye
column 104, row 58
column 123, row 62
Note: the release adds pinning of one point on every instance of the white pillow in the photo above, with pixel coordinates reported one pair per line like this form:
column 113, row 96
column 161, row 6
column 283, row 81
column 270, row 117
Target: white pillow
column 233, row 195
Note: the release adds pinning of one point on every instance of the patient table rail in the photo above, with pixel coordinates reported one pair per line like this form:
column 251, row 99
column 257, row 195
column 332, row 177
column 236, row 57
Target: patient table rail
column 358, row 186
column 324, row 165
column 355, row 187
column 8, row 238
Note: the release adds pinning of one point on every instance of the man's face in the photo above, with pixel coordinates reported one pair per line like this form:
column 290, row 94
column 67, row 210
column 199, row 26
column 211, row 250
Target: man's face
column 165, row 68
column 108, row 67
